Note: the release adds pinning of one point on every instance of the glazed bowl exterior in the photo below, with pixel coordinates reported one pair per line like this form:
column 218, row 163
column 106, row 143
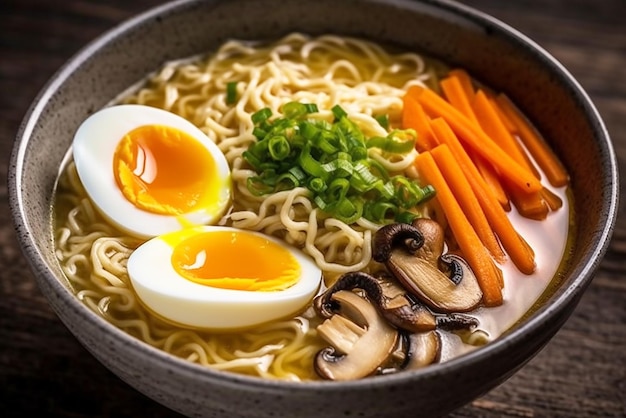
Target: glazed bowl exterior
column 500, row 57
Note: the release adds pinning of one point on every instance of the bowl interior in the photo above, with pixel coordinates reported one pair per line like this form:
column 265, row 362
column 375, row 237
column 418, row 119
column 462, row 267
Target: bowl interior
column 494, row 53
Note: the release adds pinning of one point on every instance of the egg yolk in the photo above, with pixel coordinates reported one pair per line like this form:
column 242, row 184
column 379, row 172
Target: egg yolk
column 164, row 170
column 237, row 261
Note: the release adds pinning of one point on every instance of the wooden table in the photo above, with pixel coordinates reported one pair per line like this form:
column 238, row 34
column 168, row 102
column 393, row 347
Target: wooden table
column 45, row 372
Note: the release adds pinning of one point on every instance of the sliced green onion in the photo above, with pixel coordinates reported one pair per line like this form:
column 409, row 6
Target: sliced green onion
column 317, row 185
column 352, row 136
column 428, row 192
column 259, row 133
column 311, row 108
column 258, row 187
column 349, row 211
column 309, row 130
column 385, row 189
column 377, row 169
column 298, row 174
column 339, row 167
column 286, row 181
column 383, row 121
column 278, row 147
column 378, row 211
column 331, row 160
column 406, row 217
column 395, row 142
column 261, row 115
column 364, row 179
column 311, row 165
column 409, row 193
column 231, row 92
column 327, row 142
column 338, row 189
column 294, row 110
column 338, row 112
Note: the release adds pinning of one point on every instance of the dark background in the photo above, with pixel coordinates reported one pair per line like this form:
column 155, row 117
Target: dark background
column 45, row 372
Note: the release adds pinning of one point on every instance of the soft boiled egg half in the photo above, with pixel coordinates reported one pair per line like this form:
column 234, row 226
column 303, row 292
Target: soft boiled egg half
column 222, row 278
column 150, row 171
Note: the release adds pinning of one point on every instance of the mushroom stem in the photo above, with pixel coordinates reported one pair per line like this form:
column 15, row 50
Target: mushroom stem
column 424, row 349
column 361, row 340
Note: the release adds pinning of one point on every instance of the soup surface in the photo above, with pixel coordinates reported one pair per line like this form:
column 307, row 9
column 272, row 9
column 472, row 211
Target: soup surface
column 240, row 298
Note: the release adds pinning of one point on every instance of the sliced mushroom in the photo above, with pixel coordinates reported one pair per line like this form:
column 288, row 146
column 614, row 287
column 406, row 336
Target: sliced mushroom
column 433, row 287
column 445, row 283
column 424, row 349
column 390, row 298
column 361, row 340
column 414, row 351
column 403, row 310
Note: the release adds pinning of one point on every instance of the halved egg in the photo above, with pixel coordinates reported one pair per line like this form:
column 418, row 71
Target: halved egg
column 150, row 171
column 222, row 278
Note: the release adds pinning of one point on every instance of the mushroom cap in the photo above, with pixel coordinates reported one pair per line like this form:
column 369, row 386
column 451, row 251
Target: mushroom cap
column 392, row 235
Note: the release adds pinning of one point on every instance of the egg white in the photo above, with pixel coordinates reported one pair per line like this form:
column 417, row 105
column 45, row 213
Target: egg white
column 93, row 151
column 186, row 303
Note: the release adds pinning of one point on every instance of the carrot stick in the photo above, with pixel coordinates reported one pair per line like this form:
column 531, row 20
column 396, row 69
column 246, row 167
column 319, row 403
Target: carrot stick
column 475, row 138
column 413, row 117
column 489, row 174
column 489, row 276
column 459, row 91
column 516, row 247
column 553, row 201
column 459, row 96
column 491, row 123
column 529, row 205
column 510, row 126
column 537, row 147
column 463, row 193
column 465, row 80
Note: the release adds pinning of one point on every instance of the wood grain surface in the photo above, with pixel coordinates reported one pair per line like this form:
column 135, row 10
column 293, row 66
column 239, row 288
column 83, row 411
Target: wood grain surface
column 45, row 372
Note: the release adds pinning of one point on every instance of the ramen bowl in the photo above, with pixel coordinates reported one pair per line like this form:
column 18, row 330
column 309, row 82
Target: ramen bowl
column 496, row 54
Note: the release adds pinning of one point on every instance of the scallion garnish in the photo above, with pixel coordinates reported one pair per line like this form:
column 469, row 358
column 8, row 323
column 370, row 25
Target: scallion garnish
column 397, row 142
column 231, row 92
column 383, row 120
column 261, row 116
column 338, row 112
column 331, row 160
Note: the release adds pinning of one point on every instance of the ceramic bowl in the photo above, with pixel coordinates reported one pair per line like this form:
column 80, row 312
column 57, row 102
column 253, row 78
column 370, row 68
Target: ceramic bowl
column 502, row 57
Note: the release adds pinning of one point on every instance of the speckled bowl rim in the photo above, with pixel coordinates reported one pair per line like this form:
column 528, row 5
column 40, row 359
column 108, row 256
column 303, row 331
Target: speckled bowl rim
column 565, row 297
